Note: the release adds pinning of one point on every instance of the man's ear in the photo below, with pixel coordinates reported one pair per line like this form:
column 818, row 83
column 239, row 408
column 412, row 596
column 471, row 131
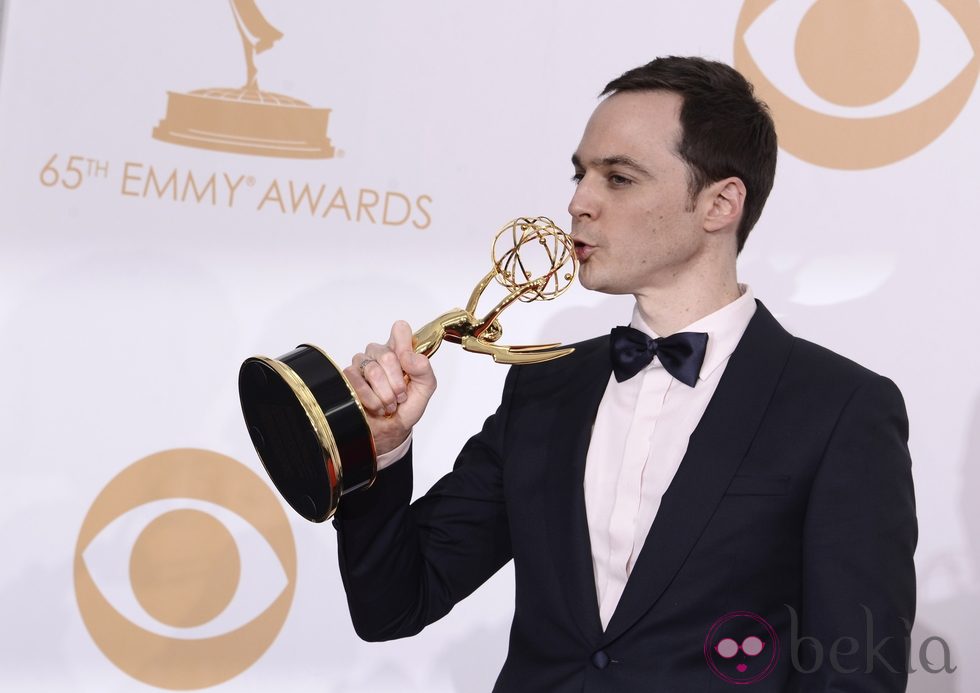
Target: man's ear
column 725, row 199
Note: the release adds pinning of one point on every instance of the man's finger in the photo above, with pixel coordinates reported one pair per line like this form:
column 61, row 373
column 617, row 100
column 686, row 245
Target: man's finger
column 400, row 340
column 362, row 388
column 377, row 377
column 394, row 375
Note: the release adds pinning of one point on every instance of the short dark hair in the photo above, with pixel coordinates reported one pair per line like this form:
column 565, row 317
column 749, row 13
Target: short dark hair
column 726, row 130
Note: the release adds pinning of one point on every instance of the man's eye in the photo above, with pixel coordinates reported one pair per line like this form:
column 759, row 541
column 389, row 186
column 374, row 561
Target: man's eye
column 577, row 178
column 618, row 180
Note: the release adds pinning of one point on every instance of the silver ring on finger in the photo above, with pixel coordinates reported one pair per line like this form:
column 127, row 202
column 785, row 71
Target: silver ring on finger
column 363, row 364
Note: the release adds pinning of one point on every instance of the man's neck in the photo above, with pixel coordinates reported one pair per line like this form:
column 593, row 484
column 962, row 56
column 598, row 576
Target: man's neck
column 668, row 309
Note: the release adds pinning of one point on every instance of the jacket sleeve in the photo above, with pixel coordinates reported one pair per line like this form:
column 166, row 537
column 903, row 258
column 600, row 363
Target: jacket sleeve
column 859, row 538
column 405, row 565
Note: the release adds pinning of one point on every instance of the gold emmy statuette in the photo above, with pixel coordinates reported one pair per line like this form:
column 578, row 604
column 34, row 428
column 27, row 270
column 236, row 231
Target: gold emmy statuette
column 247, row 120
column 307, row 426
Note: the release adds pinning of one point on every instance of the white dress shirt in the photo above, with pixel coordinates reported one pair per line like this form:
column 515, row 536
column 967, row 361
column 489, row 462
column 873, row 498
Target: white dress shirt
column 639, row 438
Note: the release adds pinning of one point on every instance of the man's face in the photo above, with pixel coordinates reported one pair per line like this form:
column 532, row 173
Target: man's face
column 632, row 218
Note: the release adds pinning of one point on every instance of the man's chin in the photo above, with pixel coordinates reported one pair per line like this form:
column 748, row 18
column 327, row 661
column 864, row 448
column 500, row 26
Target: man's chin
column 587, row 279
column 593, row 283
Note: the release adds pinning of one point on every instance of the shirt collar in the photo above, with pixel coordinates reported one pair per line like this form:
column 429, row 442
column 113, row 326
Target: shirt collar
column 724, row 327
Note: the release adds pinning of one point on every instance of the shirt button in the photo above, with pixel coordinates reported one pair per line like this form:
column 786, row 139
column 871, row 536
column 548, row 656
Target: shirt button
column 600, row 660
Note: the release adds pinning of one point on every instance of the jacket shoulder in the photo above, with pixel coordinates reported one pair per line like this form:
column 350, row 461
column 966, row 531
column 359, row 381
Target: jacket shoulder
column 804, row 359
column 823, row 363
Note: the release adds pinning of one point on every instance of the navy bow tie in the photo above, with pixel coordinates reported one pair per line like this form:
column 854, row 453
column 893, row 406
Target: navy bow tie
column 680, row 354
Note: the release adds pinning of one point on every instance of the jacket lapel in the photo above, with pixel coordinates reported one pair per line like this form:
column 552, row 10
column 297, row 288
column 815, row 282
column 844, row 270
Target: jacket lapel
column 717, row 446
column 568, row 529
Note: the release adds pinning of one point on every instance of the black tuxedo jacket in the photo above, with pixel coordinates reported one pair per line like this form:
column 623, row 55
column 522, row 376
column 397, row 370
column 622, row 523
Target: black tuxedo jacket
column 791, row 518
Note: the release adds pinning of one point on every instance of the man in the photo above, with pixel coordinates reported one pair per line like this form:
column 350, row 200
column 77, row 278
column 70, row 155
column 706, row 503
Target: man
column 728, row 505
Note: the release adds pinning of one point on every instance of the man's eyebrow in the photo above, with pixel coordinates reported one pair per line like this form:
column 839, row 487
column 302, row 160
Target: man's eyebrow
column 615, row 160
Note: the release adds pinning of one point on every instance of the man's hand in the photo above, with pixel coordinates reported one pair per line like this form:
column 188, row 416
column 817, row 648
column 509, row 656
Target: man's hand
column 394, row 384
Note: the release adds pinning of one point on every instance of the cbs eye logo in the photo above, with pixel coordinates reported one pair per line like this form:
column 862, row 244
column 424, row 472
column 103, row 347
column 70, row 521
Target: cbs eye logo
column 855, row 84
column 205, row 537
column 741, row 648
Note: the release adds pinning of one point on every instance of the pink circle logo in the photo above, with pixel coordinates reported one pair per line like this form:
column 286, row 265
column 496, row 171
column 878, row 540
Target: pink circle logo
column 741, row 648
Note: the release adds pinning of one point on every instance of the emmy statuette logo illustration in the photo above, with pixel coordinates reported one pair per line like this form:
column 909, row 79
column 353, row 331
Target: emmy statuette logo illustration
column 246, row 119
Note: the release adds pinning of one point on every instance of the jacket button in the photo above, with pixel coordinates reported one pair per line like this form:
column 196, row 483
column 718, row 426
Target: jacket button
column 600, row 660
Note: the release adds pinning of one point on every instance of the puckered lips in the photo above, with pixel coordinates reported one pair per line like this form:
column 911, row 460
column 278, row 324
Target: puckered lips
column 583, row 249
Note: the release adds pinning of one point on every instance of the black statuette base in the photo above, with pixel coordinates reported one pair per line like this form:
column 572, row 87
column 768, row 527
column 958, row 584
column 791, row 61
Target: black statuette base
column 286, row 441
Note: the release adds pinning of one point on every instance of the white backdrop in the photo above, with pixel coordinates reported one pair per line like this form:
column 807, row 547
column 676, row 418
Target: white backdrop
column 124, row 313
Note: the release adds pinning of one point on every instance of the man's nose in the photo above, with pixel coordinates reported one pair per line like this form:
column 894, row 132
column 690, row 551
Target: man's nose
column 583, row 203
